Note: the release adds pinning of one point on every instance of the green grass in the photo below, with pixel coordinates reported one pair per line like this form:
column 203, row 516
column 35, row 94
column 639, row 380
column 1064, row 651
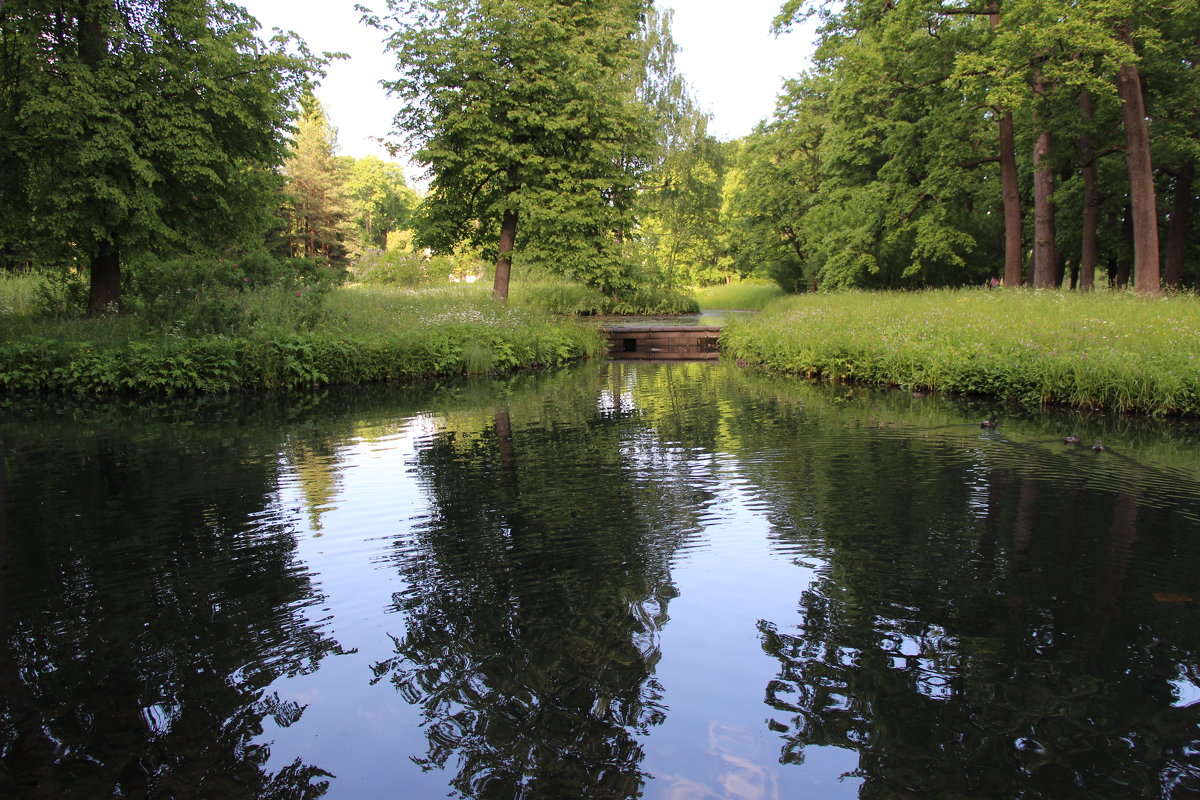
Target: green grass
column 18, row 294
column 287, row 337
column 747, row 295
column 564, row 296
column 1103, row 350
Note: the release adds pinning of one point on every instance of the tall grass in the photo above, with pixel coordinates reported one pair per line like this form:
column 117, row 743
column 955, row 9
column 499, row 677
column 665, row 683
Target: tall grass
column 744, row 296
column 564, row 296
column 18, row 295
column 1103, row 350
column 286, row 336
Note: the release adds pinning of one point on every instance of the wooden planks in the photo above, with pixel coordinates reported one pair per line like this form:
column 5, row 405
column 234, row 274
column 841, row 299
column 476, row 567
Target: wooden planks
column 663, row 342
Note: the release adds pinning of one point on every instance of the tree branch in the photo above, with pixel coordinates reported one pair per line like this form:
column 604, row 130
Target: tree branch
column 1099, row 154
column 975, row 162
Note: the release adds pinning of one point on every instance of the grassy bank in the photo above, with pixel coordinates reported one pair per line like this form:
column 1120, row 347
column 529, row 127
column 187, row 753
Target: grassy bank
column 744, row 296
column 1105, row 350
column 280, row 337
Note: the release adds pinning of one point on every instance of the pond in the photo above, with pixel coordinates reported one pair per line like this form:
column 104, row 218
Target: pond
column 680, row 581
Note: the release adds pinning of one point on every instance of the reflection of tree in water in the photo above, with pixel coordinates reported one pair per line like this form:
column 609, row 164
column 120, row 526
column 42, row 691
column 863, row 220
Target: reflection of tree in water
column 539, row 586
column 998, row 636
column 139, row 639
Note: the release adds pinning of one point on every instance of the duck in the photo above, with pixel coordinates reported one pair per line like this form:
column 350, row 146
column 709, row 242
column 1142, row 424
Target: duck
column 988, row 423
column 1098, row 446
column 1072, row 439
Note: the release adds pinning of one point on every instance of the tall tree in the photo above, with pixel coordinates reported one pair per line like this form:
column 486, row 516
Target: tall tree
column 318, row 207
column 1141, row 173
column 522, row 110
column 137, row 126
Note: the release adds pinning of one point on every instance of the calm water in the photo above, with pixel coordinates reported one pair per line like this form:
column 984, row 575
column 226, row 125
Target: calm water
column 679, row 582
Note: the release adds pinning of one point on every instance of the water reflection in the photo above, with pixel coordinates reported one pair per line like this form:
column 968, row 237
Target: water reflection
column 1009, row 645
column 675, row 581
column 539, row 584
column 143, row 623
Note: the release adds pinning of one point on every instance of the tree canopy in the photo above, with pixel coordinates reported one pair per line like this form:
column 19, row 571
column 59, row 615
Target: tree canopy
column 524, row 112
column 139, row 126
column 910, row 154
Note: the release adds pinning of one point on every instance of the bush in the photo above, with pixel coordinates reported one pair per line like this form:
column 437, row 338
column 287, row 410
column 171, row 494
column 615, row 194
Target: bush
column 410, row 270
column 61, row 294
column 564, row 296
column 188, row 296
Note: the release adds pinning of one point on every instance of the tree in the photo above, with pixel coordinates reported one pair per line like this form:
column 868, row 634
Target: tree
column 132, row 126
column 522, row 110
column 381, row 200
column 775, row 182
column 923, row 96
column 318, row 207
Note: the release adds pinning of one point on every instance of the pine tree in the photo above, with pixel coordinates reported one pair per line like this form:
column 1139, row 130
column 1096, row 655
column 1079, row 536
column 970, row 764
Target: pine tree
column 318, row 206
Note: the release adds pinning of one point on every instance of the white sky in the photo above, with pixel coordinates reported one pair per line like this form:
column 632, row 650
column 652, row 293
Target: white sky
column 727, row 52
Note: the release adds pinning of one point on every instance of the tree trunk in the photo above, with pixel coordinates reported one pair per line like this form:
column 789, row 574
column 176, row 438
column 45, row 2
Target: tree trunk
column 105, row 266
column 1181, row 220
column 1091, row 196
column 1044, row 259
column 1010, row 188
column 1141, row 175
column 1043, row 213
column 105, row 288
column 508, row 237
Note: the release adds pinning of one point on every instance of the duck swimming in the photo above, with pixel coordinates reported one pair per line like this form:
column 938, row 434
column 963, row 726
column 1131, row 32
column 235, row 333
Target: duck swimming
column 1098, row 446
column 988, row 423
column 1072, row 439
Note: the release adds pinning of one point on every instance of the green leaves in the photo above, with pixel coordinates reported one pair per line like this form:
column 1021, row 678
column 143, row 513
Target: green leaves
column 152, row 132
column 523, row 107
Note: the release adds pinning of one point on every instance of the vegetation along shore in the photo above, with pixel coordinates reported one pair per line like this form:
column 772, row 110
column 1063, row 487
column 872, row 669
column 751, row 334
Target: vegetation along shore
column 1113, row 351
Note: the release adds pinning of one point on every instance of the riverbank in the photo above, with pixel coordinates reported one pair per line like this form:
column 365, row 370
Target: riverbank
column 290, row 338
column 1104, row 351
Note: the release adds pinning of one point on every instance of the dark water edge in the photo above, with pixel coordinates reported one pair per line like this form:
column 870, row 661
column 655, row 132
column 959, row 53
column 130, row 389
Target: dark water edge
column 614, row 581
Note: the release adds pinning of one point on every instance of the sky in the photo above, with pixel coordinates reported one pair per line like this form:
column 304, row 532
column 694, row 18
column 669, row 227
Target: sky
column 735, row 65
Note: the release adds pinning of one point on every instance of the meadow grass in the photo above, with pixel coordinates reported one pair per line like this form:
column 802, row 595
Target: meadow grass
column 288, row 336
column 1104, row 350
column 564, row 296
column 744, row 296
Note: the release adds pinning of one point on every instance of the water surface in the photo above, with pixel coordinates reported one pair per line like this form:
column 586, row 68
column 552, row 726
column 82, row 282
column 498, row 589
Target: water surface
column 624, row 580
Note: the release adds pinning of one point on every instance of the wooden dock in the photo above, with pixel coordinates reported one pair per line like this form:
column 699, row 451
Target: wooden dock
column 663, row 342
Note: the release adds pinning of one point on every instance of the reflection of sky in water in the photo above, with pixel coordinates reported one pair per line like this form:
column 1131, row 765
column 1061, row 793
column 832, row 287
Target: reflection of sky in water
column 864, row 593
column 713, row 744
column 1187, row 693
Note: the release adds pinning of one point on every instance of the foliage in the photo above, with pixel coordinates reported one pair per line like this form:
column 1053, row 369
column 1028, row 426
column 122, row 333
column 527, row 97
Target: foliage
column 284, row 336
column 882, row 165
column 318, row 206
column 381, row 200
column 745, row 295
column 1108, row 351
column 128, row 129
column 680, row 202
column 523, row 112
